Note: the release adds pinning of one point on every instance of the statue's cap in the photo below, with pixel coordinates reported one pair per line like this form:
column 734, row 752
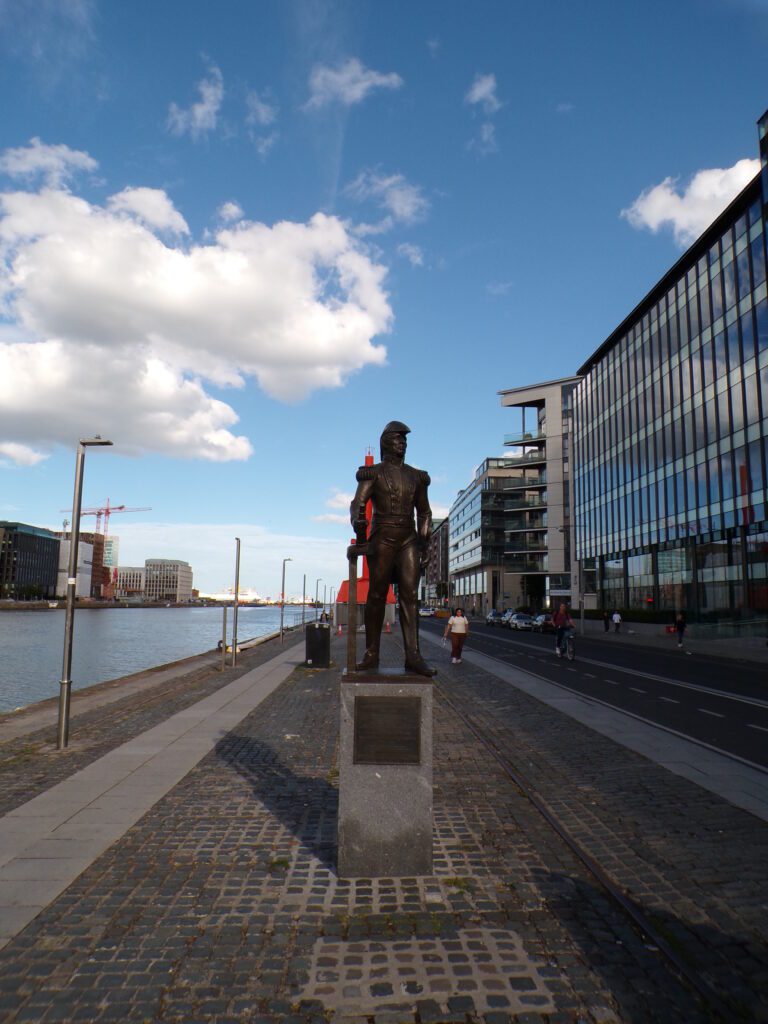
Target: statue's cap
column 395, row 427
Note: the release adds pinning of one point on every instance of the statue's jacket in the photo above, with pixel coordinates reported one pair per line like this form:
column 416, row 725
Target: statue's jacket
column 395, row 490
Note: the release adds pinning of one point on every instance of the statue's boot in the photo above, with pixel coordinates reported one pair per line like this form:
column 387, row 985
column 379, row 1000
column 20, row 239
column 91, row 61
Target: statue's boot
column 416, row 664
column 370, row 660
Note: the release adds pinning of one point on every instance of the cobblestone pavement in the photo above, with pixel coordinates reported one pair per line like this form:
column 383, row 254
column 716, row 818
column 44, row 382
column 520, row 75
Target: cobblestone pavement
column 222, row 903
column 31, row 764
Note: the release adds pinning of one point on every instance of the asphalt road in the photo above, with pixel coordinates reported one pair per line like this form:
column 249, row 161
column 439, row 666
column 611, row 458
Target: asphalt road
column 712, row 700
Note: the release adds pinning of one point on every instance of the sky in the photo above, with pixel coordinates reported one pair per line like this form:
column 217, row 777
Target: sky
column 237, row 239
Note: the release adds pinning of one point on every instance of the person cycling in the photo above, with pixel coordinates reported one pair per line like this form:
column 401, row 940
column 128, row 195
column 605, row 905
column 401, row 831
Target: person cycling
column 562, row 622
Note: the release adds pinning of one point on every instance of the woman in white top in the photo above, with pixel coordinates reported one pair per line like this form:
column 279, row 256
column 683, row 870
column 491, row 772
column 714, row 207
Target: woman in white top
column 458, row 628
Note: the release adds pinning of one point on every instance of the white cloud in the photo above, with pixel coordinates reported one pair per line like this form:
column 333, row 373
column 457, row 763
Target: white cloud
column 340, row 499
column 201, row 117
column 111, row 329
column 56, row 164
column 261, row 114
column 497, row 288
column 332, row 517
column 412, row 253
column 347, row 83
column 440, row 511
column 230, row 212
column 482, row 93
column 152, row 207
column 404, row 202
column 264, row 143
column 485, row 140
column 260, row 110
column 689, row 212
column 210, row 550
column 433, row 45
column 19, row 454
column 564, row 108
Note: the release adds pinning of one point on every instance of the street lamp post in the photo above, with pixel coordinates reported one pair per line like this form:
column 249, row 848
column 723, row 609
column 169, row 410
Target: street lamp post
column 237, row 601
column 317, row 591
column 325, row 594
column 65, row 693
column 332, row 594
column 282, row 598
column 303, row 600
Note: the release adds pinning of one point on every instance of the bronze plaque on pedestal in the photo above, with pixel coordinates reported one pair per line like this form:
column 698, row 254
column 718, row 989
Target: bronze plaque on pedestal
column 387, row 730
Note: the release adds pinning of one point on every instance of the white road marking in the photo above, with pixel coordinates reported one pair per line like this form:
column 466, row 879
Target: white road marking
column 613, row 682
column 669, row 700
column 636, row 689
column 714, row 714
column 760, row 727
column 588, row 675
column 709, row 690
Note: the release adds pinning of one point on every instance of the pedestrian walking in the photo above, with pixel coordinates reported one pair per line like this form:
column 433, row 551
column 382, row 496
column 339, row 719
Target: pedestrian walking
column 458, row 630
column 616, row 620
column 680, row 625
column 606, row 622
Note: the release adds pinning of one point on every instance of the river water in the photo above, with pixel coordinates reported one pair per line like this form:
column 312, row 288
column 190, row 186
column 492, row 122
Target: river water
column 113, row 642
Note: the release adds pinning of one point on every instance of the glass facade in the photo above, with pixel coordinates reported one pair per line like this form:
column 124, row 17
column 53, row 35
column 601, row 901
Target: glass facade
column 671, row 432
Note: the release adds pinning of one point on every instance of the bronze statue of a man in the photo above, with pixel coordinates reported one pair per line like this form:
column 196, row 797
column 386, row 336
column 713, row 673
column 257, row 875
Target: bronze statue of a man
column 397, row 549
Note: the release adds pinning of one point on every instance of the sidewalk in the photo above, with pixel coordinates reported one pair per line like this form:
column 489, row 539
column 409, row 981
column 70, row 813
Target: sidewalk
column 220, row 901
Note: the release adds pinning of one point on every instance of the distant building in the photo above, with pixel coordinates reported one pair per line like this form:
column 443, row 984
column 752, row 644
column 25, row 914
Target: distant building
column 111, row 552
column 84, row 566
column 29, row 561
column 435, row 583
column 100, row 574
column 167, row 579
column 130, row 582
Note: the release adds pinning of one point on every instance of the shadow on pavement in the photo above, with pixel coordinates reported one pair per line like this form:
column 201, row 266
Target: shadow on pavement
column 306, row 805
column 637, row 973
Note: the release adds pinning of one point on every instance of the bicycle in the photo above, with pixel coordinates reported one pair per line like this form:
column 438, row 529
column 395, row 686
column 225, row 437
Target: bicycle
column 570, row 645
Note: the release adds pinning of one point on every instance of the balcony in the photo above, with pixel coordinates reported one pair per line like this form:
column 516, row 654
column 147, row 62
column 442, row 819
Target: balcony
column 525, row 438
column 522, row 523
column 518, row 504
column 517, row 545
column 526, row 563
column 516, row 482
column 525, row 458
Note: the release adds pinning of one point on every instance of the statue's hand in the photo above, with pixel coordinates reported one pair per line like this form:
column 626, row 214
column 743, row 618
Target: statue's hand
column 424, row 558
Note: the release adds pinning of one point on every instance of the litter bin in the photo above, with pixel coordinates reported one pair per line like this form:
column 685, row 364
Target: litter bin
column 318, row 637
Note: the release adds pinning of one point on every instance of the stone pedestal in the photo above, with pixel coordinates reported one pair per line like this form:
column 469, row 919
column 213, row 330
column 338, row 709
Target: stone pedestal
column 385, row 775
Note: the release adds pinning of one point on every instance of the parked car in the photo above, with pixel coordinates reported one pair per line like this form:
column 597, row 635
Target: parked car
column 426, row 613
column 519, row 620
column 494, row 618
column 543, row 623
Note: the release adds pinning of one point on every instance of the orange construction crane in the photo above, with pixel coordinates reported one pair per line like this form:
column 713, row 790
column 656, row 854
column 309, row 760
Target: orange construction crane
column 106, row 511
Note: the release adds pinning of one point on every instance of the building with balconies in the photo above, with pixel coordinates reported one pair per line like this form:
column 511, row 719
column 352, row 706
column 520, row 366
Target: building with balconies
column 477, row 539
column 538, row 553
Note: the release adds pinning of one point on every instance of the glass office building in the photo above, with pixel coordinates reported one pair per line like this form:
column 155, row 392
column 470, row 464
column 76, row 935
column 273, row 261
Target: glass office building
column 671, row 431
